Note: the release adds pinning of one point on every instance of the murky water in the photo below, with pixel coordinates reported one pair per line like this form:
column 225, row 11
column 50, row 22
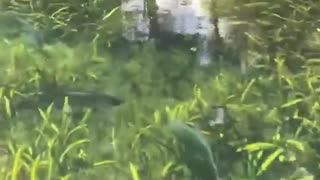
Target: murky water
column 185, row 17
column 119, row 82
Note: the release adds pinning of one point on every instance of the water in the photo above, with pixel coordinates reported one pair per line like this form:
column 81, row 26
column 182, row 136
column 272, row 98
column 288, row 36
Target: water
column 185, row 17
column 160, row 89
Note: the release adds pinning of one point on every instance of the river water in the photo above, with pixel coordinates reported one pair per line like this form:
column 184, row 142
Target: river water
column 186, row 17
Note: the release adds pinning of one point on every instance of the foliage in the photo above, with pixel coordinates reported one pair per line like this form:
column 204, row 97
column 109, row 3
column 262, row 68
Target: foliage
column 270, row 121
column 68, row 19
column 261, row 30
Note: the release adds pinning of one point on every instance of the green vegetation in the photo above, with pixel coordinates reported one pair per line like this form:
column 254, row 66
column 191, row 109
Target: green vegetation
column 77, row 102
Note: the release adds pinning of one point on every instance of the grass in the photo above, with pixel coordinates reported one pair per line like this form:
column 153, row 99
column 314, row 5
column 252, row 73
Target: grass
column 271, row 129
column 132, row 140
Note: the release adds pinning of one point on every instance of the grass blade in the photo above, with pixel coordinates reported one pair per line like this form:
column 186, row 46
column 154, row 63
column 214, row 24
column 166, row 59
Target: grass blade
column 134, row 172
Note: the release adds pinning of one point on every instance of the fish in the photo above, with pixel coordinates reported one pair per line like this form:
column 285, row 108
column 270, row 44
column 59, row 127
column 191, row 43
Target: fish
column 196, row 154
column 82, row 99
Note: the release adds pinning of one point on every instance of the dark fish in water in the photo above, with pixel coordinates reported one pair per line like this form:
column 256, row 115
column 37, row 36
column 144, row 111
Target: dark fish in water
column 196, row 153
column 92, row 100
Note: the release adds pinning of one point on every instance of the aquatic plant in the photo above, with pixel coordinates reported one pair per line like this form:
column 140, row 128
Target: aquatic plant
column 270, row 126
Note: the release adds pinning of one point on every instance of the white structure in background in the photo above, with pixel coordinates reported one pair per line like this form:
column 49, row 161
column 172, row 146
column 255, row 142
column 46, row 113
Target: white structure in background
column 184, row 16
column 188, row 17
column 137, row 25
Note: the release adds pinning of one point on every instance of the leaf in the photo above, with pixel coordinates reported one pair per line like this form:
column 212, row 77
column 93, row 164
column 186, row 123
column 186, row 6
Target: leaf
column 17, row 164
column 310, row 124
column 269, row 160
column 49, row 109
column 34, row 168
column 313, row 62
column 113, row 139
column 254, row 39
column 296, row 144
column 288, row 81
column 273, row 116
column 110, row 13
column 7, row 107
column 262, row 22
column 166, row 169
column 291, row 103
column 74, row 130
column 104, row 162
column 245, row 92
column 260, row 153
column 283, row 18
column 157, row 117
column 55, row 128
column 92, row 75
column 67, row 110
column 256, row 4
column 257, row 146
column 71, row 146
column 58, row 11
column 233, row 22
column 1, row 93
column 43, row 115
column 134, row 172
